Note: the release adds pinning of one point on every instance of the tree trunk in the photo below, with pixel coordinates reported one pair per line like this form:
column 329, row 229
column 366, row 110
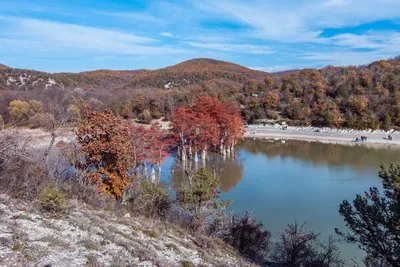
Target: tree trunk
column 190, row 152
column 152, row 174
column 183, row 156
column 203, row 154
column 159, row 171
column 196, row 158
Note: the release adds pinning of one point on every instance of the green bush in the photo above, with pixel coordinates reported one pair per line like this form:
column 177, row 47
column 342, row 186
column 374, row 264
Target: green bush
column 52, row 200
column 154, row 198
column 187, row 264
column 150, row 233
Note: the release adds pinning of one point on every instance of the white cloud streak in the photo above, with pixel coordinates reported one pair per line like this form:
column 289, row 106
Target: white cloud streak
column 168, row 34
column 59, row 36
column 238, row 48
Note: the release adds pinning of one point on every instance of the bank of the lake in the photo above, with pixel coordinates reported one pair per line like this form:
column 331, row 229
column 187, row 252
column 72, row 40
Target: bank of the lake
column 323, row 135
column 304, row 181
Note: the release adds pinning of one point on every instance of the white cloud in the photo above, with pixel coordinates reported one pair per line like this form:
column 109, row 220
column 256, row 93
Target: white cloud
column 63, row 36
column 347, row 58
column 378, row 41
column 168, row 34
column 276, row 68
column 302, row 21
column 238, row 48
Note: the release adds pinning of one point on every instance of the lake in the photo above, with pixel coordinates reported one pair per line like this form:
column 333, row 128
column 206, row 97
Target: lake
column 304, row 181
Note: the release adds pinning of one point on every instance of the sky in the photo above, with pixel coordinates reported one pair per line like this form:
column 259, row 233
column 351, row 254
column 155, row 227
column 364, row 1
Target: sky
column 268, row 35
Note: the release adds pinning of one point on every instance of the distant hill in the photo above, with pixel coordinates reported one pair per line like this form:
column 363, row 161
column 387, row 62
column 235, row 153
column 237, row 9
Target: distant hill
column 186, row 73
column 21, row 79
column 3, row 67
column 179, row 75
column 194, row 71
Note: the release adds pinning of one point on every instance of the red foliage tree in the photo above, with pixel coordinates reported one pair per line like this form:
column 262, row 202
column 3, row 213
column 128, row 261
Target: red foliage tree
column 207, row 123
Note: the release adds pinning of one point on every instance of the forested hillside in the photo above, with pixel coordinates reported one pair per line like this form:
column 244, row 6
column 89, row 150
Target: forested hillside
column 355, row 97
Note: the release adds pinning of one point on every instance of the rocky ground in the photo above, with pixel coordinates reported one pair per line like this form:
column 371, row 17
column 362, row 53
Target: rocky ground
column 87, row 237
column 324, row 135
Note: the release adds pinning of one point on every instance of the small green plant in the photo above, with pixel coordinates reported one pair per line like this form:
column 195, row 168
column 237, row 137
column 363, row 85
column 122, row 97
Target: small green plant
column 187, row 264
column 108, row 207
column 150, row 233
column 52, row 200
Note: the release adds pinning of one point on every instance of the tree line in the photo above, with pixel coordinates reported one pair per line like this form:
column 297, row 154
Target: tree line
column 352, row 97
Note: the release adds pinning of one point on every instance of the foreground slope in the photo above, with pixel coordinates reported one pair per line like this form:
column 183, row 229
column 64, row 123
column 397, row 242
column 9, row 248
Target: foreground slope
column 100, row 238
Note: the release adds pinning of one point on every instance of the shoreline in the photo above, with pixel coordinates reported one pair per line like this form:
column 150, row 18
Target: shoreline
column 325, row 135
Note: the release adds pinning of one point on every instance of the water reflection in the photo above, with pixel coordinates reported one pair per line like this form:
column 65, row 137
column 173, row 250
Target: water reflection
column 360, row 158
column 302, row 181
column 230, row 170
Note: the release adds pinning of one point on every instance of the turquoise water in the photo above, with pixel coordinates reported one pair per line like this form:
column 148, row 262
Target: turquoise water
column 284, row 182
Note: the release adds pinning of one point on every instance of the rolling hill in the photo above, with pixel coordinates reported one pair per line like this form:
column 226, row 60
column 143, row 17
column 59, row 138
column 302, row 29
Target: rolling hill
column 3, row 67
column 182, row 74
column 194, row 71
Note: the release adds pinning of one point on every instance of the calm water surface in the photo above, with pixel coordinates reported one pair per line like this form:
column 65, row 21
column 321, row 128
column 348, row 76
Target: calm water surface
column 304, row 181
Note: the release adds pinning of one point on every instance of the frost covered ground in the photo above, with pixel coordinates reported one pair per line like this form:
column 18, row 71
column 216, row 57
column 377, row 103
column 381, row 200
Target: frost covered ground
column 87, row 237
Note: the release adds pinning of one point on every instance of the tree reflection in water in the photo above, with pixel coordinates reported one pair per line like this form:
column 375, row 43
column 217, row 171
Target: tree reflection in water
column 364, row 157
column 229, row 168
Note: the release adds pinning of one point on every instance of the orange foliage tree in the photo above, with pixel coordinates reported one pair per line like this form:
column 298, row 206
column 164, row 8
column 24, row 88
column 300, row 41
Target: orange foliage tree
column 105, row 143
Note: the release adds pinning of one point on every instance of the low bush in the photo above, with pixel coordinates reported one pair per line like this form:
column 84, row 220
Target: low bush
column 52, row 200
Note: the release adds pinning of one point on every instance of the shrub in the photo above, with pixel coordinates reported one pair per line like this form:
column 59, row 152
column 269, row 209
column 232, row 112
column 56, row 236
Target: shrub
column 52, row 200
column 248, row 237
column 187, row 264
column 150, row 233
column 145, row 116
column 154, row 199
column 42, row 120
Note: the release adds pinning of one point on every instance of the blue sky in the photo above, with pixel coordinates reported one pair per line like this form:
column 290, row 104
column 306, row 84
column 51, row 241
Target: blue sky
column 270, row 35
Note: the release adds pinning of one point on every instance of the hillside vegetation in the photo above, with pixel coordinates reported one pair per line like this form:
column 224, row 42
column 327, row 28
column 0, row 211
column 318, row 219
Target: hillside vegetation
column 3, row 67
column 353, row 97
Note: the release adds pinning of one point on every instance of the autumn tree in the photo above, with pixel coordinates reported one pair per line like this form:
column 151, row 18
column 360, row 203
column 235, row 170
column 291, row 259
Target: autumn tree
column 268, row 81
column 374, row 219
column 207, row 123
column 155, row 145
column 19, row 110
column 106, row 145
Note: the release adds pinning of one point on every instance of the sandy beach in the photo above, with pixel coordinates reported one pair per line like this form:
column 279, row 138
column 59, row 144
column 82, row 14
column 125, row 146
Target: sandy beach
column 325, row 135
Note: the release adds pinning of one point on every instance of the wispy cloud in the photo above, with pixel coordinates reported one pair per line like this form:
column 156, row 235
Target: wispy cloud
column 384, row 41
column 90, row 39
column 168, row 34
column 238, row 48
column 276, row 68
column 270, row 35
column 347, row 58
column 303, row 21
